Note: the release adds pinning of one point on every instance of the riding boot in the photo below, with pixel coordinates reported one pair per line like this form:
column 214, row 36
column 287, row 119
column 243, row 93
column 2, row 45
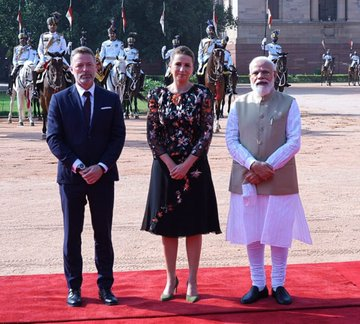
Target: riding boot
column 234, row 82
column 10, row 86
column 35, row 93
column 141, row 81
column 287, row 84
column 201, row 79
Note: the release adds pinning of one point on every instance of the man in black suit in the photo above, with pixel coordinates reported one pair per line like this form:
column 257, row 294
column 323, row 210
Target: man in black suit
column 86, row 132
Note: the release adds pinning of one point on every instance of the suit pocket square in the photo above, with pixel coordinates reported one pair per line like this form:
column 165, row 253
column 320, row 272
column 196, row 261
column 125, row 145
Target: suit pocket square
column 105, row 108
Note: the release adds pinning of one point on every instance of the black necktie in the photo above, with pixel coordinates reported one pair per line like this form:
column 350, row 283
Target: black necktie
column 87, row 107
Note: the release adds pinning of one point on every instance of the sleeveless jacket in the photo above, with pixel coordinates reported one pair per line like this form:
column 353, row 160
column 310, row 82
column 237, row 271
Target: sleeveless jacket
column 262, row 128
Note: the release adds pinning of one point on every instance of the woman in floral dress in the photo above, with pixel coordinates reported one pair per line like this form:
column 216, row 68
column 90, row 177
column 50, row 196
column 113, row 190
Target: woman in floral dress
column 181, row 200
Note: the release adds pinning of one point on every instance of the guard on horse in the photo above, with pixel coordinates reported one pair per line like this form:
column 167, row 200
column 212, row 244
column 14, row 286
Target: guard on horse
column 21, row 54
column 274, row 50
column 327, row 67
column 206, row 47
column 353, row 71
column 132, row 57
column 166, row 57
column 51, row 44
column 230, row 72
column 355, row 60
column 327, row 58
column 111, row 50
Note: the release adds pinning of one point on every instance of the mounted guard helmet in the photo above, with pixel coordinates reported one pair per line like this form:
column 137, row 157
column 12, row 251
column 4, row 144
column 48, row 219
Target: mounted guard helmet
column 210, row 30
column 275, row 35
column 22, row 36
column 176, row 41
column 53, row 19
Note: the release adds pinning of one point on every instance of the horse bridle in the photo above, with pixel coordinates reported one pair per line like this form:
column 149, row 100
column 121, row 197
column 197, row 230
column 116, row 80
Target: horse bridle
column 218, row 68
column 51, row 80
column 134, row 78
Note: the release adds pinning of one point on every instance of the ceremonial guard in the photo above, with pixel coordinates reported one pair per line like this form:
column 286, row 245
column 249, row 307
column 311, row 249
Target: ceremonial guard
column 51, row 44
column 206, row 47
column 229, row 68
column 132, row 56
column 327, row 56
column 34, row 57
column 355, row 60
column 112, row 48
column 165, row 54
column 21, row 54
column 274, row 49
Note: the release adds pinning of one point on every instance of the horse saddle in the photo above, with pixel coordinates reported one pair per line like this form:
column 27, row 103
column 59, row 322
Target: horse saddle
column 101, row 75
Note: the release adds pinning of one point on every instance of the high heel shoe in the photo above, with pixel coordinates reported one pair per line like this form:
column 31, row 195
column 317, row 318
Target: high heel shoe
column 192, row 299
column 167, row 297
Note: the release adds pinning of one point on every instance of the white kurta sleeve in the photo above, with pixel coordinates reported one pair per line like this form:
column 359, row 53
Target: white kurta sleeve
column 293, row 139
column 237, row 151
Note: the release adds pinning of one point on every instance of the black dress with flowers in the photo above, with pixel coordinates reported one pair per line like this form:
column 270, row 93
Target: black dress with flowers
column 180, row 125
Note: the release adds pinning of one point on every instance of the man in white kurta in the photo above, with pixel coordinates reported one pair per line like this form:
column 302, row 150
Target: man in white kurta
column 263, row 135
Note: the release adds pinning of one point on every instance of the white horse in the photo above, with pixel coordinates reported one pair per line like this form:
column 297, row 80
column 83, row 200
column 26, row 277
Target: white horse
column 23, row 88
column 117, row 78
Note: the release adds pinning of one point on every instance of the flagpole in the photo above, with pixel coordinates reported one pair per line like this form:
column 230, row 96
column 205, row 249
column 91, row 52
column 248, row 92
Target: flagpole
column 266, row 18
column 69, row 16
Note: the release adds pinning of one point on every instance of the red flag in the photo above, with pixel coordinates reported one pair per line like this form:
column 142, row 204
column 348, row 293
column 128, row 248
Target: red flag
column 69, row 15
column 215, row 19
column 19, row 18
column 123, row 16
column 162, row 19
column 269, row 20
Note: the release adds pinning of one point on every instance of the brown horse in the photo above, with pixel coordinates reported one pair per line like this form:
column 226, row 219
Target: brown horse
column 214, row 80
column 54, row 81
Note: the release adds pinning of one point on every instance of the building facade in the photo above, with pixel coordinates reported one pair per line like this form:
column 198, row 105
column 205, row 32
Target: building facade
column 304, row 25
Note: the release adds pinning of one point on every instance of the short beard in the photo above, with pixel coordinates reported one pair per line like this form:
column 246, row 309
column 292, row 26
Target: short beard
column 262, row 89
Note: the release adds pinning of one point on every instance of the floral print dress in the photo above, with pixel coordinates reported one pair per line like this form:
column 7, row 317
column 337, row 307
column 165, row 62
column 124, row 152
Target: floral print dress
column 180, row 125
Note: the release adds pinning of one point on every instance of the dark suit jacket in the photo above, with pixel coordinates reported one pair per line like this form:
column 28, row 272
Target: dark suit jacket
column 69, row 138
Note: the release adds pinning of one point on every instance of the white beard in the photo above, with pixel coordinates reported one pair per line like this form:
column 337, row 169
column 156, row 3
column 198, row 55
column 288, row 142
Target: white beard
column 262, row 90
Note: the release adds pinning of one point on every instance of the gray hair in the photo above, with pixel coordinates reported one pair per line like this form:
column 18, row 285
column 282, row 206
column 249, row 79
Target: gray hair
column 262, row 59
column 81, row 50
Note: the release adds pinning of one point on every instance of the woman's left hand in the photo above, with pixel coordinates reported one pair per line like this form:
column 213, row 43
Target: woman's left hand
column 180, row 171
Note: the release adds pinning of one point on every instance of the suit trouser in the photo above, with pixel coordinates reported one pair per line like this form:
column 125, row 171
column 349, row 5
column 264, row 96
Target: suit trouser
column 74, row 197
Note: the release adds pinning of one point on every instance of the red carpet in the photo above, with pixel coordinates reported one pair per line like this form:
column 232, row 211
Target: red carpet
column 325, row 293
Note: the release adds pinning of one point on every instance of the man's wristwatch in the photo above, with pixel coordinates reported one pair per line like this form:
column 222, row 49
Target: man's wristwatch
column 102, row 168
column 80, row 167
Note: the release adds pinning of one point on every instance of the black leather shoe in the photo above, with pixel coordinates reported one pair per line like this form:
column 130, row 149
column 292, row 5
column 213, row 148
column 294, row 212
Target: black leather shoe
column 74, row 298
column 108, row 297
column 282, row 296
column 254, row 295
